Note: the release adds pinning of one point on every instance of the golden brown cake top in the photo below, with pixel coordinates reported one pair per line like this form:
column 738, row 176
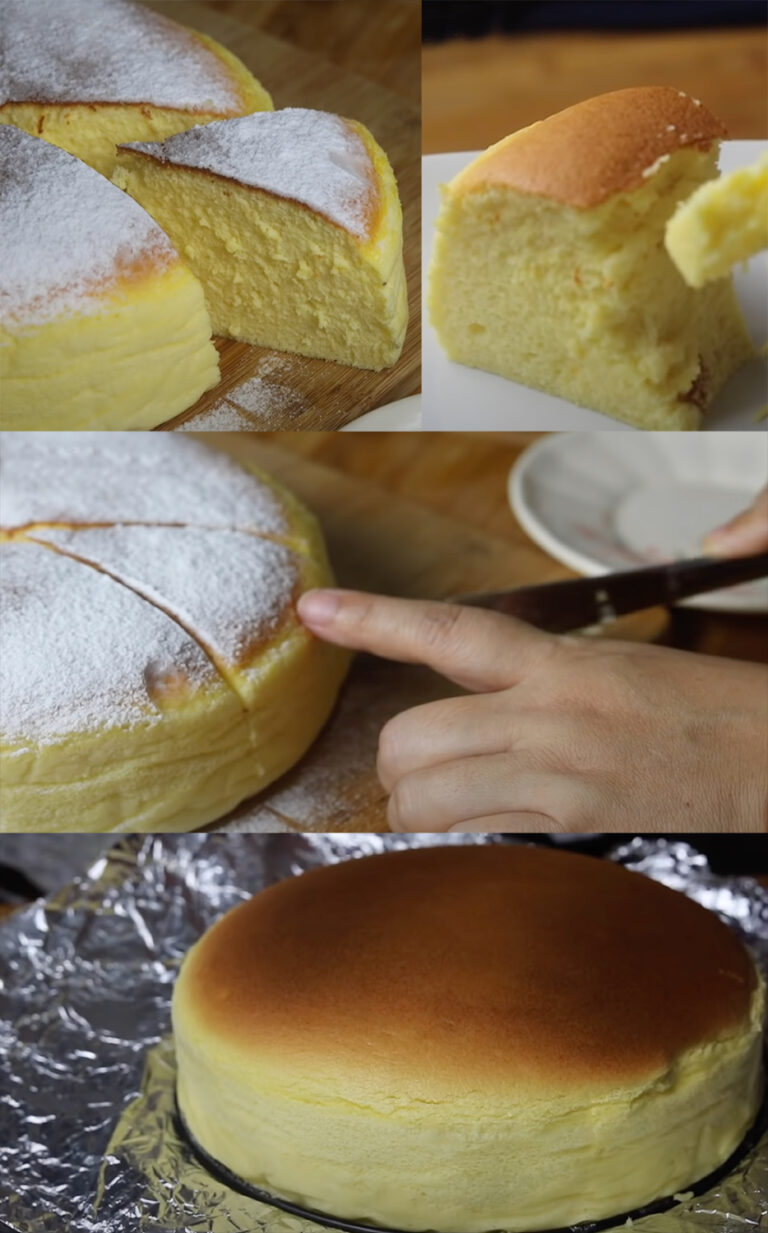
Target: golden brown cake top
column 603, row 146
column 487, row 964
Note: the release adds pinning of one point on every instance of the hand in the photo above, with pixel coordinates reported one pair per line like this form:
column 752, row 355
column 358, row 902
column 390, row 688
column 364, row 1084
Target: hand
column 560, row 734
column 744, row 535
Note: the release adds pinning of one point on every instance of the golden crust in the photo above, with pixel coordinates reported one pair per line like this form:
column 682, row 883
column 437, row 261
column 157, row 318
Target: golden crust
column 477, row 966
column 603, row 146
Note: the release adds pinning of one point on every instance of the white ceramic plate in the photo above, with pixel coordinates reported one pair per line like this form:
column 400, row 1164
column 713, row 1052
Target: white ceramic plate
column 401, row 416
column 601, row 502
column 456, row 397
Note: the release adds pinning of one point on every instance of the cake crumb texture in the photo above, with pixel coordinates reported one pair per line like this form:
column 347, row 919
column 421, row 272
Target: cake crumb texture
column 549, row 266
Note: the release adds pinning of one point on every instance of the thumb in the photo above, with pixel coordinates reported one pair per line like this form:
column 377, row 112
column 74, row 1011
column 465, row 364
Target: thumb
column 744, row 535
column 481, row 651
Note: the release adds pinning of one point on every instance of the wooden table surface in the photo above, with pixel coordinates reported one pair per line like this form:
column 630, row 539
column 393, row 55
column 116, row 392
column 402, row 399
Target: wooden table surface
column 475, row 92
column 378, row 39
column 322, row 54
column 464, row 476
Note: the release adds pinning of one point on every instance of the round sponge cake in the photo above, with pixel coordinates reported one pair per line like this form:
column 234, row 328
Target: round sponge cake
column 154, row 672
column 469, row 1038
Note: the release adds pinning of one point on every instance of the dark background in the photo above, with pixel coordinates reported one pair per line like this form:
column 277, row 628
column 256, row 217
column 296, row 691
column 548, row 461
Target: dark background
column 442, row 19
column 726, row 854
column 32, row 865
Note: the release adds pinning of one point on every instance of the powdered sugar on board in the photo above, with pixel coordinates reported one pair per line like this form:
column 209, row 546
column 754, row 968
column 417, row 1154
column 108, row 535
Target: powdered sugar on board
column 118, row 477
column 222, row 417
column 229, row 589
column 80, row 652
column 107, row 51
column 335, row 787
column 257, row 404
column 312, row 157
column 68, row 234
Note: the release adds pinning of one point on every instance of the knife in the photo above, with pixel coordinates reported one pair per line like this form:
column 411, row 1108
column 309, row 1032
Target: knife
column 561, row 607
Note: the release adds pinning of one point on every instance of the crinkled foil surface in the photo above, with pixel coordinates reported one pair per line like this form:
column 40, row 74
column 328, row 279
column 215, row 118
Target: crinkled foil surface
column 87, row 1143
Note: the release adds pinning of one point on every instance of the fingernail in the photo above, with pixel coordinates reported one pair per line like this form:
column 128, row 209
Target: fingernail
column 721, row 537
column 318, row 607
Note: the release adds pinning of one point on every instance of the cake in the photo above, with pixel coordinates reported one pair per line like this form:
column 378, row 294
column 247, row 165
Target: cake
column 549, row 266
column 88, row 74
column 469, row 1038
column 154, row 672
column 724, row 221
column 102, row 325
column 292, row 222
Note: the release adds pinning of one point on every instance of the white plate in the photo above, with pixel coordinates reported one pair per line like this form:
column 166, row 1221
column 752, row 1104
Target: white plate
column 456, row 397
column 401, row 416
column 599, row 502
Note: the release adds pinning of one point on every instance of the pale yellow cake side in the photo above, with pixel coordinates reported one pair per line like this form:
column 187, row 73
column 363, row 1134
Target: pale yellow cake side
column 332, row 1144
column 143, row 355
column 198, row 763
column 277, row 274
column 92, row 131
column 724, row 222
column 585, row 303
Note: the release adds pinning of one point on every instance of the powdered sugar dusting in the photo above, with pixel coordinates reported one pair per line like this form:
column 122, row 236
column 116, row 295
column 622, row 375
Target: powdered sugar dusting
column 231, row 590
column 102, row 624
column 80, row 652
column 221, row 417
column 107, row 51
column 257, row 404
column 655, row 166
column 267, row 400
column 312, row 157
column 260, row 821
column 68, row 233
column 92, row 477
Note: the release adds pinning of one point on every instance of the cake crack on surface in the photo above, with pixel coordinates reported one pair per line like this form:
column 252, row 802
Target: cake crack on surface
column 147, row 598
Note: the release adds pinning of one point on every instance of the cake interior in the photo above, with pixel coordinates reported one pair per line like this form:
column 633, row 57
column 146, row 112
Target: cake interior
column 586, row 303
column 274, row 272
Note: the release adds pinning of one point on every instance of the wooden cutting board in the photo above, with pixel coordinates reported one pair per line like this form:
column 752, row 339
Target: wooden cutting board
column 384, row 542
column 292, row 391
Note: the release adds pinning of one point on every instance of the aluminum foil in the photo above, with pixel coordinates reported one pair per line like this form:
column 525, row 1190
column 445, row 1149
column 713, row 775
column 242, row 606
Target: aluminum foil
column 87, row 1140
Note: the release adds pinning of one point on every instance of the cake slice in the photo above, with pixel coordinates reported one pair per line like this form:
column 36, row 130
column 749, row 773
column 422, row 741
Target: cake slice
column 549, row 266
column 725, row 221
column 88, row 74
column 101, row 323
column 292, row 222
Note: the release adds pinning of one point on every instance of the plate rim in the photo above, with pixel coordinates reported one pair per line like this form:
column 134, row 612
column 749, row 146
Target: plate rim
column 574, row 558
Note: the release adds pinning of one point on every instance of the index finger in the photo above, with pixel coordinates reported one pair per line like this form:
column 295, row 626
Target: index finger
column 481, row 651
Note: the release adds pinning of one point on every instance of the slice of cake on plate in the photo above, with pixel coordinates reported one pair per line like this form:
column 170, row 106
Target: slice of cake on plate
column 292, row 222
column 550, row 269
column 88, row 74
column 724, row 222
column 101, row 323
